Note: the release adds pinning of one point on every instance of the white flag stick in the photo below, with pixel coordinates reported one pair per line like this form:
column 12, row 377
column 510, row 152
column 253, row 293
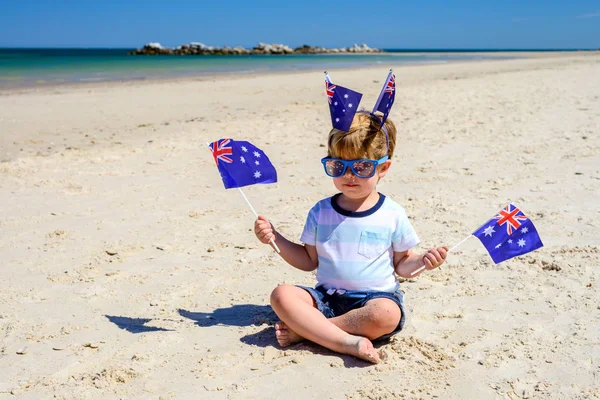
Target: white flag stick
column 452, row 248
column 252, row 208
column 254, row 211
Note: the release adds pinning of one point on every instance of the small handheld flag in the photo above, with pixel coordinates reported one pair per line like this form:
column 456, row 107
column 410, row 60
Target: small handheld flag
column 343, row 104
column 386, row 97
column 240, row 163
column 508, row 234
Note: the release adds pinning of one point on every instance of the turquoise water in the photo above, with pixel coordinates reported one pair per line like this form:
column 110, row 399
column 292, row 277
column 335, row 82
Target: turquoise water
column 37, row 67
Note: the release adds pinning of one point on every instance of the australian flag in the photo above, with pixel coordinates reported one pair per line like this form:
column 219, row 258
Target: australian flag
column 343, row 104
column 508, row 234
column 386, row 97
column 241, row 163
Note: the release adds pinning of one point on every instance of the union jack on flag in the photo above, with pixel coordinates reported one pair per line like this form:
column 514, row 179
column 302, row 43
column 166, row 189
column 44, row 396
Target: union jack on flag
column 510, row 216
column 220, row 150
column 329, row 88
column 240, row 163
column 391, row 86
column 519, row 237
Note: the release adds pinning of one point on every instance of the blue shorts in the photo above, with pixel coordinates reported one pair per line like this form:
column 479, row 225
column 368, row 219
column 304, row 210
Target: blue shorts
column 336, row 304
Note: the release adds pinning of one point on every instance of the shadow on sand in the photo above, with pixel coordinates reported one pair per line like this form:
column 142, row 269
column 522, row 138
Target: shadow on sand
column 135, row 325
column 236, row 315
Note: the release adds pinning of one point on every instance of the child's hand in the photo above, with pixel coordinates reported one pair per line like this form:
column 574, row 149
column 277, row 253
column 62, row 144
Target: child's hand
column 264, row 230
column 435, row 257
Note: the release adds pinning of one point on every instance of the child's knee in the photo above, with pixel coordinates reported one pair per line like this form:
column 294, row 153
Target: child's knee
column 388, row 325
column 386, row 314
column 280, row 293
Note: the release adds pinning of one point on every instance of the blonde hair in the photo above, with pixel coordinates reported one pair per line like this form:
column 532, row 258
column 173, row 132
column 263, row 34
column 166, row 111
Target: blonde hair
column 364, row 139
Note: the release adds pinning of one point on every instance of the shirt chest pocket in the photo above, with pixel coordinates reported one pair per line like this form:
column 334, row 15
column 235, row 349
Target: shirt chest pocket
column 373, row 244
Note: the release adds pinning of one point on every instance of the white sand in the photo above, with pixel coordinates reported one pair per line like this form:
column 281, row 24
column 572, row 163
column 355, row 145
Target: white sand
column 180, row 308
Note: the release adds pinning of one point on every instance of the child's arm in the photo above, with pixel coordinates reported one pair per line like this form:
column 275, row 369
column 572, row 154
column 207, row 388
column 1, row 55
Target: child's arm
column 405, row 262
column 298, row 256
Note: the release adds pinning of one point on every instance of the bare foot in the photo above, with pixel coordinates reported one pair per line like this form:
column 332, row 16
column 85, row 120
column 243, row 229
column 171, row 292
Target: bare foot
column 285, row 336
column 362, row 348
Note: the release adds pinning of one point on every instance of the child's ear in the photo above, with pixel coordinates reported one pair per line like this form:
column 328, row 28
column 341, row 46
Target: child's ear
column 385, row 167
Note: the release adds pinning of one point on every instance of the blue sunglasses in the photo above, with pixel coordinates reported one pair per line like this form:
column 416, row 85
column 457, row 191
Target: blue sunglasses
column 363, row 168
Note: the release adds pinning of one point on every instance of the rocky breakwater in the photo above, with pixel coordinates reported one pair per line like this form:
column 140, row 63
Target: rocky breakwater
column 197, row 48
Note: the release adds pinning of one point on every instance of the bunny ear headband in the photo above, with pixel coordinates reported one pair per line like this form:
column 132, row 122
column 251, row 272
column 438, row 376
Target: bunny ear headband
column 343, row 103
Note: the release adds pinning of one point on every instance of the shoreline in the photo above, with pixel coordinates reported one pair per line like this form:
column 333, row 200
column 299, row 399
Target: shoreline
column 493, row 56
column 28, row 143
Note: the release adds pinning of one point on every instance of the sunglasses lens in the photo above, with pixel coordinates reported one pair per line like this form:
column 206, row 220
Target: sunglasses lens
column 364, row 169
column 334, row 168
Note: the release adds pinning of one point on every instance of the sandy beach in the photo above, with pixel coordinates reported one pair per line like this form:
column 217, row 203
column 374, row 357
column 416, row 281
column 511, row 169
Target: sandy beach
column 128, row 271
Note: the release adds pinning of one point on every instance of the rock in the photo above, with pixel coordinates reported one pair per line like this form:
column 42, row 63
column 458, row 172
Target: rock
column 22, row 350
column 263, row 48
column 198, row 48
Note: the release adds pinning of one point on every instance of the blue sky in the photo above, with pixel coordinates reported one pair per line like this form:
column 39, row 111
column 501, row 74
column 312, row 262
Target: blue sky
column 391, row 24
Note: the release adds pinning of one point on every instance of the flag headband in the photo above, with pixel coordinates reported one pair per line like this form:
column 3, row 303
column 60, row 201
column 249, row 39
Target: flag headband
column 343, row 104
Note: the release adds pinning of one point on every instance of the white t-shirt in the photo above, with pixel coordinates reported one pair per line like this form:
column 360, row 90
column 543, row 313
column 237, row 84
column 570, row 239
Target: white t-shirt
column 356, row 249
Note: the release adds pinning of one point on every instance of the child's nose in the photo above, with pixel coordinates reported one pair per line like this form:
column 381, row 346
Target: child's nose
column 348, row 173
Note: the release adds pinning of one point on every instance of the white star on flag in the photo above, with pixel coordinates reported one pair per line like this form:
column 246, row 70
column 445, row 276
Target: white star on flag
column 337, row 120
column 243, row 160
column 524, row 230
column 489, row 230
column 509, row 241
column 335, row 104
column 498, row 245
column 346, row 96
column 256, row 154
column 521, row 242
column 244, row 149
column 350, row 105
column 257, row 174
column 256, row 162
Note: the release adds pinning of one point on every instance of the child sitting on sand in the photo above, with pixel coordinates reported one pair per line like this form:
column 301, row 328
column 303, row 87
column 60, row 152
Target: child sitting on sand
column 356, row 240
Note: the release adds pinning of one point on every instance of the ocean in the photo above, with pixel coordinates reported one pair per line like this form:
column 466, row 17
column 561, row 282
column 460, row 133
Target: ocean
column 40, row 67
